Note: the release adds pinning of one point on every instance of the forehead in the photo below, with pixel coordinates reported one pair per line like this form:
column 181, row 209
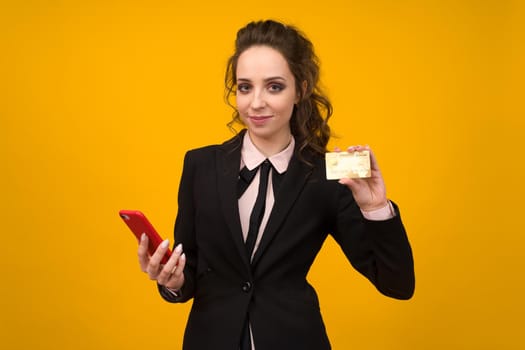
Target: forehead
column 262, row 61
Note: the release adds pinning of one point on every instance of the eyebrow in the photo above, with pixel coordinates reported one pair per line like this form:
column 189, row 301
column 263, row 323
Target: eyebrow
column 265, row 80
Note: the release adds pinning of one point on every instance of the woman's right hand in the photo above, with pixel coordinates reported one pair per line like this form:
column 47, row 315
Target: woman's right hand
column 171, row 274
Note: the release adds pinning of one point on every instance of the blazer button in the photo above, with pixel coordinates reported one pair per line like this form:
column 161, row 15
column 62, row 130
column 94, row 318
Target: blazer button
column 246, row 287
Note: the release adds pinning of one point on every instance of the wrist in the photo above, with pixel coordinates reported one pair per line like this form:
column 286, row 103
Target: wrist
column 384, row 213
column 374, row 207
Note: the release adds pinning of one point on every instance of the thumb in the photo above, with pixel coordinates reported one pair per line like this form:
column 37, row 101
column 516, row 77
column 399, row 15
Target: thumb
column 350, row 183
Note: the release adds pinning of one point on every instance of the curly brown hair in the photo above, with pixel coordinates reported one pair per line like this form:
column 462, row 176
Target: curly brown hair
column 309, row 121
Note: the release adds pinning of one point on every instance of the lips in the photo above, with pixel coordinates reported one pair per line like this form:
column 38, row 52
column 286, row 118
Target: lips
column 259, row 118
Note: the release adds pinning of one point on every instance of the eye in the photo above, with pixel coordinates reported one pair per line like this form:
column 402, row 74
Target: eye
column 243, row 87
column 275, row 87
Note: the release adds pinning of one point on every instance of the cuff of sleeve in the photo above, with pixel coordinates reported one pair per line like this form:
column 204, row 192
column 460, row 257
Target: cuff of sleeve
column 170, row 295
column 385, row 213
column 174, row 292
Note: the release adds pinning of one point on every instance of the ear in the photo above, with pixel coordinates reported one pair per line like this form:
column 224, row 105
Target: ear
column 304, row 86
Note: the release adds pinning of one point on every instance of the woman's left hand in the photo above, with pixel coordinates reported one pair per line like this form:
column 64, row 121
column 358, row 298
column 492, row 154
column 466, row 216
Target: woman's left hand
column 369, row 193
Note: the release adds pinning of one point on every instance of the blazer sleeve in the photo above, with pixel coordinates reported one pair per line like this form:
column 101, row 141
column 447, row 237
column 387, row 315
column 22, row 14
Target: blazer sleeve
column 185, row 233
column 379, row 250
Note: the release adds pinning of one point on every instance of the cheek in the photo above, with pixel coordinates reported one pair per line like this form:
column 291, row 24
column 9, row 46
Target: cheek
column 287, row 108
column 241, row 103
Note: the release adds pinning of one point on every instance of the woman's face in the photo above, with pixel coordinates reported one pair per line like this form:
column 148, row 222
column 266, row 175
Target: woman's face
column 266, row 93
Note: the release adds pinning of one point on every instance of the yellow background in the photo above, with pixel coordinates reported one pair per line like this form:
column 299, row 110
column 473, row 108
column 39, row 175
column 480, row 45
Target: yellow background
column 99, row 100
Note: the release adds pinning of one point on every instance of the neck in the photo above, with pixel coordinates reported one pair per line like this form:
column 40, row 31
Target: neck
column 272, row 145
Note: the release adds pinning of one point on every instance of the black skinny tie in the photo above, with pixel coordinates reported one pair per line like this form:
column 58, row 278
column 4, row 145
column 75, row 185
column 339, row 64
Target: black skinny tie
column 258, row 209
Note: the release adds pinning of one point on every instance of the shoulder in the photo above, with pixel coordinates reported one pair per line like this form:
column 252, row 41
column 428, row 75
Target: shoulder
column 210, row 151
column 201, row 151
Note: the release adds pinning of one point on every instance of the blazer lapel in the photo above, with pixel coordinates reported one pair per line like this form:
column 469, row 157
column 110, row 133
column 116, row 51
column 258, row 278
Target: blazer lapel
column 291, row 186
column 228, row 162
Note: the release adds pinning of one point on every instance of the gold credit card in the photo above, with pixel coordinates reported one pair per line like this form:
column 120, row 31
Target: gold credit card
column 349, row 165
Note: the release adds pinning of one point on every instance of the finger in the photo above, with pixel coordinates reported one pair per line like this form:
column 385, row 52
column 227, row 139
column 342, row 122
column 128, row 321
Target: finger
column 166, row 271
column 143, row 252
column 154, row 265
column 176, row 280
column 355, row 148
column 352, row 184
column 179, row 269
column 373, row 160
column 337, row 149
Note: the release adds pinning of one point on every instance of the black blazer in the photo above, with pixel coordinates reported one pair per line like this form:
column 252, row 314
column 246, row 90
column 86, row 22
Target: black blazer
column 283, row 307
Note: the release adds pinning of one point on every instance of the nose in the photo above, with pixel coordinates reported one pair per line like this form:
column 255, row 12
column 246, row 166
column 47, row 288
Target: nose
column 258, row 100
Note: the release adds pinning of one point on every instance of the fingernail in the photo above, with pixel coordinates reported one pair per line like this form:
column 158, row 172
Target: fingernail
column 178, row 248
column 165, row 243
column 183, row 256
column 143, row 237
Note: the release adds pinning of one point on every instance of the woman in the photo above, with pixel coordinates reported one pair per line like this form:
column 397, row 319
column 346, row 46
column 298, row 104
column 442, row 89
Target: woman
column 246, row 272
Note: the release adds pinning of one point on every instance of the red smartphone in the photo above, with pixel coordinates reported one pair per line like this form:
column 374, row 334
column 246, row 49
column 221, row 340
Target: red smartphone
column 139, row 224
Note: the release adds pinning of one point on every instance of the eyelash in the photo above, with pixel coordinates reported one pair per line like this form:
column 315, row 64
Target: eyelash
column 243, row 88
column 272, row 87
column 279, row 87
